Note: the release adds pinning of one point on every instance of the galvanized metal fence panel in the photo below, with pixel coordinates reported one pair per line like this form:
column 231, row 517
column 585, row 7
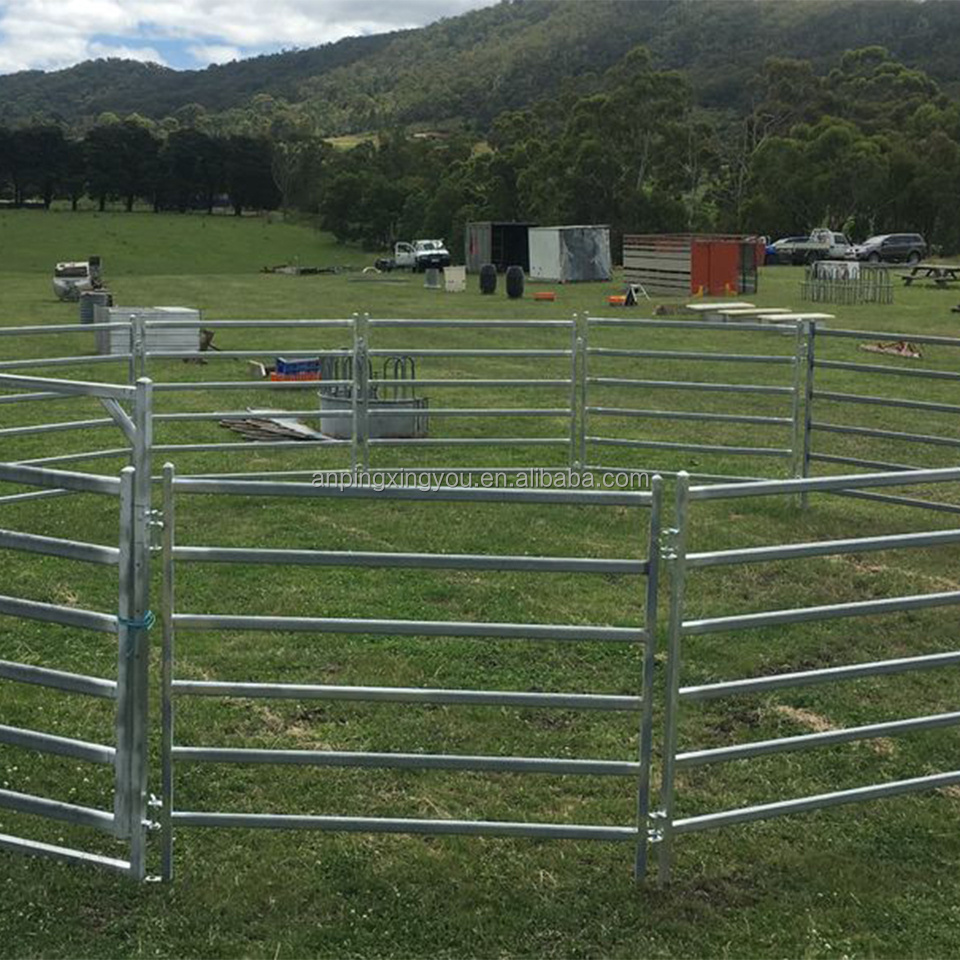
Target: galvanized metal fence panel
column 680, row 563
column 642, row 635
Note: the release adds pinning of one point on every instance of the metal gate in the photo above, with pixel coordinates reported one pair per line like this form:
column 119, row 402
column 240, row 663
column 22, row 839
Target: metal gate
column 129, row 622
column 643, row 565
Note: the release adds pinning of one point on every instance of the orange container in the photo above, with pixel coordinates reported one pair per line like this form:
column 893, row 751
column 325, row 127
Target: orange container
column 544, row 295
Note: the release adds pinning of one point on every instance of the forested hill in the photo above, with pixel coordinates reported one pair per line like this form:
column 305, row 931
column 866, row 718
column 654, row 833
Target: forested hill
column 473, row 67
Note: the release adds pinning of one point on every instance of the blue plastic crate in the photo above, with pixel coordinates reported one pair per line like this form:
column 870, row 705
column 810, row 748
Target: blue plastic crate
column 309, row 365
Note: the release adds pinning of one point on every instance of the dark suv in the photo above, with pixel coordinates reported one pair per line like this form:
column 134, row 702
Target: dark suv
column 893, row 248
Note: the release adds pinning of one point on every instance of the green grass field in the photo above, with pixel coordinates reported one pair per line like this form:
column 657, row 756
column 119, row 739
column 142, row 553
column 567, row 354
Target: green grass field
column 859, row 881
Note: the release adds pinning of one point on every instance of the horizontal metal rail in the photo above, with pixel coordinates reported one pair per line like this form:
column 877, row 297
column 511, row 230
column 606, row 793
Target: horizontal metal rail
column 420, row 628
column 744, row 327
column 55, row 613
column 393, row 470
column 692, row 447
column 56, row 547
column 935, row 505
column 45, row 477
column 58, row 680
column 409, row 761
column 34, row 848
column 826, row 738
column 821, row 801
column 474, row 828
column 427, row 561
column 292, row 353
column 472, row 324
column 884, row 434
column 470, row 441
column 873, row 335
column 833, row 611
column 925, row 405
column 348, row 414
column 249, row 385
column 683, row 415
column 61, row 746
column 892, row 371
column 105, row 454
column 85, row 328
column 855, row 481
column 31, row 397
column 264, row 488
column 478, row 353
column 804, row 678
column 56, row 427
column 84, row 360
column 687, row 355
column 706, row 387
column 73, row 388
column 858, row 462
column 35, row 495
column 823, row 548
column 306, row 444
column 244, row 324
column 425, row 695
column 57, row 810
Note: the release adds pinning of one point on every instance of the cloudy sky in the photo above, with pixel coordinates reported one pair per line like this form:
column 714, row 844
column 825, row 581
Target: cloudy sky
column 186, row 34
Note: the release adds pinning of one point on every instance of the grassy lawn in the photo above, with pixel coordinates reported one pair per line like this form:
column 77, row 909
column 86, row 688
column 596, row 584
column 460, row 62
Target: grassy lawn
column 872, row 880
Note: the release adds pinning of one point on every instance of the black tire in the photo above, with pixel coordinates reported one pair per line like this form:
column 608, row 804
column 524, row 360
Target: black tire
column 515, row 282
column 874, row 257
column 488, row 278
column 914, row 257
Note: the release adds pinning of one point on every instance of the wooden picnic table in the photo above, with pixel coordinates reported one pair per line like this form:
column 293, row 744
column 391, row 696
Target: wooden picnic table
column 751, row 313
column 942, row 274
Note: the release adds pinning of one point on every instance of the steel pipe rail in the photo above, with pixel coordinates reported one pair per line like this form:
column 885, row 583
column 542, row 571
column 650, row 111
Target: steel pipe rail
column 30, row 475
column 474, row 828
column 62, row 328
column 927, row 406
column 420, row 695
column 890, row 371
column 686, row 415
column 821, row 801
column 409, row 761
column 55, row 613
column 691, row 447
column 57, row 547
column 58, row 680
column 57, row 810
column 37, row 849
column 833, row 611
column 884, row 434
column 245, row 324
column 805, row 678
column 423, row 561
column 823, row 548
column 706, row 387
column 68, row 388
column 56, row 427
column 744, row 327
column 84, row 360
column 840, row 333
column 265, row 488
column 474, row 353
column 780, row 359
column 421, row 628
column 61, row 746
column 855, row 481
column 826, row 738
column 472, row 324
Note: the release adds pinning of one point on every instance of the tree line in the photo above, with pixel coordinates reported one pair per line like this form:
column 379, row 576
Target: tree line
column 126, row 161
column 872, row 146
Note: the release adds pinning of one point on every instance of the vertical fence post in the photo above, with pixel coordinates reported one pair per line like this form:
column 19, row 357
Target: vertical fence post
column 675, row 553
column 575, row 396
column 583, row 326
column 797, row 406
column 167, row 714
column 811, row 337
column 122, row 802
column 359, row 453
column 649, row 666
column 140, row 615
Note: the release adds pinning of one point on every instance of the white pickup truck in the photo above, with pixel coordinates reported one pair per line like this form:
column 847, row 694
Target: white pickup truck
column 416, row 256
column 821, row 244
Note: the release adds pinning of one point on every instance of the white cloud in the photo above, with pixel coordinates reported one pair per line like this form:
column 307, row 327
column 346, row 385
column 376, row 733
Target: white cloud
column 50, row 34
